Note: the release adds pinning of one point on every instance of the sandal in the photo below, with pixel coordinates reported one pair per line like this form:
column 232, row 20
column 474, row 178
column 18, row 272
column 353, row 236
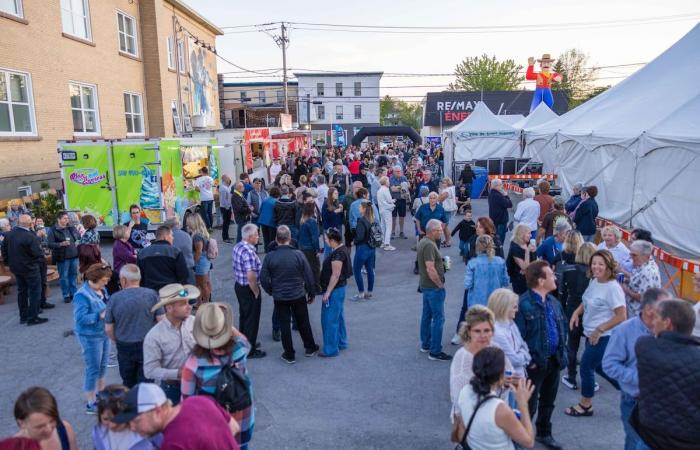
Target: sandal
column 573, row 412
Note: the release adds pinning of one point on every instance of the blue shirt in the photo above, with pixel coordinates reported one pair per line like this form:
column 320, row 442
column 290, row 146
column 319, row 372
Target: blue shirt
column 354, row 214
column 395, row 181
column 424, row 214
column 552, row 329
column 549, row 249
column 267, row 212
column 620, row 360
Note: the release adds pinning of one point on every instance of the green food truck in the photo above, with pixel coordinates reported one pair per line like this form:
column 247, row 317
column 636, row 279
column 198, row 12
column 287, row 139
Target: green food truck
column 105, row 177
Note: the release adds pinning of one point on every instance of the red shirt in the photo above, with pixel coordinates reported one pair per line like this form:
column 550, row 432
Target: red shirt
column 201, row 425
column 543, row 79
column 354, row 167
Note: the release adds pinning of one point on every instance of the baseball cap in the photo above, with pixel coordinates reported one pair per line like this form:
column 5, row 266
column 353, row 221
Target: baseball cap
column 140, row 399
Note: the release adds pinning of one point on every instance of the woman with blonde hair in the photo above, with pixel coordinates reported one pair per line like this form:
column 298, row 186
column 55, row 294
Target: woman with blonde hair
column 504, row 304
column 612, row 242
column 385, row 204
column 202, row 265
column 521, row 253
column 448, row 197
column 485, row 273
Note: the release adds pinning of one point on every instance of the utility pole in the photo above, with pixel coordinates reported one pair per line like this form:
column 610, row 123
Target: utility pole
column 282, row 42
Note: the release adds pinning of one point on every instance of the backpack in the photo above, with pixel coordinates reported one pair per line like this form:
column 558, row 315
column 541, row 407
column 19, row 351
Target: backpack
column 375, row 238
column 212, row 249
column 232, row 389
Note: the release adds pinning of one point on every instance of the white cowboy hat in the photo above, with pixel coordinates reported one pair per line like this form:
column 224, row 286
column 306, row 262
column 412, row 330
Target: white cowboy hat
column 213, row 325
column 175, row 292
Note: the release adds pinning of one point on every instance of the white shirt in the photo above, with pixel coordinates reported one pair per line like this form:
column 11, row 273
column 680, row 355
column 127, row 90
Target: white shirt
column 599, row 303
column 450, row 203
column 205, row 183
column 507, row 337
column 527, row 212
column 461, row 372
column 275, row 169
column 484, row 434
column 384, row 200
column 620, row 252
column 322, row 190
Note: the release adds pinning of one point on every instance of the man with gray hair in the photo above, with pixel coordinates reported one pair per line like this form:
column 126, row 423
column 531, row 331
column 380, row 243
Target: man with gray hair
column 128, row 319
column 246, row 273
column 183, row 242
column 575, row 198
column 528, row 211
column 499, row 202
column 431, row 269
column 551, row 248
column 644, row 275
column 620, row 360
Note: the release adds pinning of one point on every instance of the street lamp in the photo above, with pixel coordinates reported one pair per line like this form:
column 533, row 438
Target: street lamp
column 244, row 101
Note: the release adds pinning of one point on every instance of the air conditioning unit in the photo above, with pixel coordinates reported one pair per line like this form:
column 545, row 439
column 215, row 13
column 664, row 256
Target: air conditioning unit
column 199, row 121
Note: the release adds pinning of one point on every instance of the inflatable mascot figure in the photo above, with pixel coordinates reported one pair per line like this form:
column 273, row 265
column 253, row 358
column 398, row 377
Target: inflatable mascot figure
column 544, row 78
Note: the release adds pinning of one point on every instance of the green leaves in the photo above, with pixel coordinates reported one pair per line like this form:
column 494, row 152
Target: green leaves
column 487, row 73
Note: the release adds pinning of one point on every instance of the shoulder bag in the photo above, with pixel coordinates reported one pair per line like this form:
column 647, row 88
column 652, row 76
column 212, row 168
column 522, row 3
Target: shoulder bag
column 463, row 444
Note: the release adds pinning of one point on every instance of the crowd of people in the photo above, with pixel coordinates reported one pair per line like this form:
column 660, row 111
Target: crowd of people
column 183, row 361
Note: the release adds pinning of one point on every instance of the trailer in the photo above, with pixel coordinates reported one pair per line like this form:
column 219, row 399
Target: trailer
column 105, row 177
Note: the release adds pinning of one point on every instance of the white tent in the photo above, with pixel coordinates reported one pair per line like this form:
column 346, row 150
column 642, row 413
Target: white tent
column 541, row 115
column 511, row 119
column 482, row 135
column 639, row 142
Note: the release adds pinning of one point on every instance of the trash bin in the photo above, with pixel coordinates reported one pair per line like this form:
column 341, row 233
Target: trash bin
column 479, row 183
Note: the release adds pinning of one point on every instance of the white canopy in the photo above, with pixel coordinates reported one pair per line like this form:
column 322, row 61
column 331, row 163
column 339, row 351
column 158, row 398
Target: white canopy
column 639, row 142
column 541, row 115
column 511, row 119
column 482, row 135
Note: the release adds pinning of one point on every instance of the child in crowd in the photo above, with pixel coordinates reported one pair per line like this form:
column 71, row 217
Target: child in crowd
column 463, row 199
column 466, row 228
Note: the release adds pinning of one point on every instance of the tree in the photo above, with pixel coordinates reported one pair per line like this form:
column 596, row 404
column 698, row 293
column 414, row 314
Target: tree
column 573, row 103
column 399, row 112
column 387, row 105
column 577, row 76
column 488, row 74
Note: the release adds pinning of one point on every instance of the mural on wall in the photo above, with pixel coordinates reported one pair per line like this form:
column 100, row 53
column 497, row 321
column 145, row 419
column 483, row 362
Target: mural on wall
column 204, row 83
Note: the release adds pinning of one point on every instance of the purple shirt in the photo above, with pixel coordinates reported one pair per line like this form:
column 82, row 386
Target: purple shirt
column 245, row 259
column 122, row 254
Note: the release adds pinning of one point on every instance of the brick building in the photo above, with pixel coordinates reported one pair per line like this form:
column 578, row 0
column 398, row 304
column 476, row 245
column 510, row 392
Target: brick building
column 98, row 69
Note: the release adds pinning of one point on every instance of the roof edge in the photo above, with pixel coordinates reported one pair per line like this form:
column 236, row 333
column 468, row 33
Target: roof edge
column 200, row 19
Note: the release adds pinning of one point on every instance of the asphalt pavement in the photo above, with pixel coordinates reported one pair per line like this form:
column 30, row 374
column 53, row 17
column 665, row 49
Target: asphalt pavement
column 380, row 393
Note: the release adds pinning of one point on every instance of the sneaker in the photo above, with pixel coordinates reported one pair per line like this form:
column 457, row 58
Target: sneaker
column 456, row 340
column 368, row 295
column 389, row 248
column 256, row 354
column 357, row 298
column 311, row 352
column 403, row 236
column 36, row 321
column 287, row 359
column 47, row 305
column 596, row 387
column 91, row 408
column 67, row 299
column 393, row 235
column 364, row 271
column 424, row 350
column 571, row 384
column 442, row 356
column 276, row 335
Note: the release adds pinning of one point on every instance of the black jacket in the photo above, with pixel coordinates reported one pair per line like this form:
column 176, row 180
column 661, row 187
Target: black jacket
column 362, row 231
column 574, row 281
column 497, row 245
column 285, row 212
column 161, row 263
column 55, row 236
column 585, row 217
column 22, row 251
column 465, row 229
column 498, row 207
column 669, row 398
column 286, row 274
column 240, row 207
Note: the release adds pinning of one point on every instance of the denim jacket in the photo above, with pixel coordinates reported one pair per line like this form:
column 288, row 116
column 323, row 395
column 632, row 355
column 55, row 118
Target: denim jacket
column 483, row 276
column 532, row 323
column 87, row 307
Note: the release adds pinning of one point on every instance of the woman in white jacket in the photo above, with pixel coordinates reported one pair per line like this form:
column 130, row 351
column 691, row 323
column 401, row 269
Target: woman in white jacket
column 506, row 336
column 386, row 205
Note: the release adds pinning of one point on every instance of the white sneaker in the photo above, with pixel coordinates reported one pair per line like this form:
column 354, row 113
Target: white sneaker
column 456, row 340
column 389, row 248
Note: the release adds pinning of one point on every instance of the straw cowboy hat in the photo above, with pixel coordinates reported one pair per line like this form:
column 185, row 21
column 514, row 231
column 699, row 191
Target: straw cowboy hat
column 213, row 325
column 546, row 57
column 175, row 292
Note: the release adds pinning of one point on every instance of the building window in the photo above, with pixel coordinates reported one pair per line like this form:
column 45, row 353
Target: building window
column 16, row 106
column 244, row 95
column 280, row 96
column 358, row 111
column 83, row 103
column 186, row 118
column 13, row 7
column 339, row 112
column 358, row 89
column 261, row 97
column 181, row 55
column 171, row 53
column 127, row 34
column 133, row 110
column 320, row 90
column 320, row 112
column 75, row 16
column 177, row 127
column 338, row 89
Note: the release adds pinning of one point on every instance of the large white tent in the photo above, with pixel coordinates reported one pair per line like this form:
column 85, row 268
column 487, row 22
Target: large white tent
column 639, row 142
column 541, row 115
column 482, row 135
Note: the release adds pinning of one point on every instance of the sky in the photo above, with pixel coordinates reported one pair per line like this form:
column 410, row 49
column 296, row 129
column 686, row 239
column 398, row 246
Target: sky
column 440, row 52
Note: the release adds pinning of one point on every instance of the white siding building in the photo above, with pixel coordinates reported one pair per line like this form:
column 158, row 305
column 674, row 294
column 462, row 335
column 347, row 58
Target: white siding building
column 349, row 99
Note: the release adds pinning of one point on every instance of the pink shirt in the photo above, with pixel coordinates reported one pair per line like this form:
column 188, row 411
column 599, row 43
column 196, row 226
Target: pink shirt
column 201, row 425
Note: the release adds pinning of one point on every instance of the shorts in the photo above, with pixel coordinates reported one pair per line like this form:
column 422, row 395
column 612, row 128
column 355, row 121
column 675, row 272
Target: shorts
column 400, row 209
column 203, row 266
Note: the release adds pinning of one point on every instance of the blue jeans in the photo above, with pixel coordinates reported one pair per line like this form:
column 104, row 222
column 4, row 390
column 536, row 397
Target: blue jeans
column 335, row 337
column 95, row 351
column 501, row 230
column 68, row 273
column 592, row 362
column 588, row 237
column 205, row 210
column 432, row 319
column 364, row 257
column 632, row 439
column 463, row 248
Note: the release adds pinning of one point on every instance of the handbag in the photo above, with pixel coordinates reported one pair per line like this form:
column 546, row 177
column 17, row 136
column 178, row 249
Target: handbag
column 463, row 444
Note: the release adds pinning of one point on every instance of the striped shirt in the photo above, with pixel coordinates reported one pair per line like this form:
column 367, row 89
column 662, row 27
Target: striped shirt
column 244, row 260
column 199, row 377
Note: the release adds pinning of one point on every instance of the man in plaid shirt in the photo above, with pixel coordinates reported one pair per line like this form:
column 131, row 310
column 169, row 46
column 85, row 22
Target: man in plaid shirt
column 246, row 271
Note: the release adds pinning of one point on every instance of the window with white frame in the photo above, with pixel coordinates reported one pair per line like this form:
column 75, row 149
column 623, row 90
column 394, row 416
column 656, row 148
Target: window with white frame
column 320, row 112
column 358, row 89
column 320, row 90
column 83, row 103
column 13, row 7
column 244, row 95
column 127, row 34
column 338, row 89
column 181, row 55
column 186, row 118
column 358, row 111
column 75, row 16
column 171, row 52
column 16, row 104
column 280, row 96
column 261, row 97
column 176, row 118
column 339, row 112
column 133, row 111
